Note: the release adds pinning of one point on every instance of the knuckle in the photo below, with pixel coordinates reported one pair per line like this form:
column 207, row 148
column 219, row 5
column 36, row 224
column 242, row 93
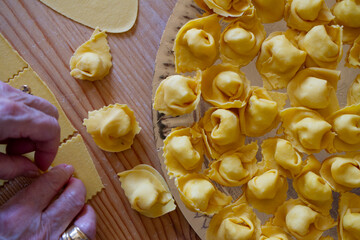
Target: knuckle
column 10, row 108
column 75, row 199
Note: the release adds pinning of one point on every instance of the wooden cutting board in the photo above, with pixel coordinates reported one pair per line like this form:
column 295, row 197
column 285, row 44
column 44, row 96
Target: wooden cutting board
column 47, row 40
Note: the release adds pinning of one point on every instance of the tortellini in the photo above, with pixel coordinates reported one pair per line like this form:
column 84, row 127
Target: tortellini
column 240, row 42
column 236, row 221
column 113, row 127
column 301, row 221
column 342, row 172
column 230, row 8
column 323, row 45
column 196, row 44
column 347, row 13
column 178, row 95
column 221, row 129
column 353, row 57
column 307, row 130
column 270, row 232
column 200, row 195
column 225, row 86
column 269, row 11
column 267, row 191
column 236, row 167
column 279, row 154
column 312, row 188
column 349, row 215
column 279, row 60
column 261, row 114
column 305, row 14
column 183, row 151
column 315, row 88
column 353, row 94
column 147, row 191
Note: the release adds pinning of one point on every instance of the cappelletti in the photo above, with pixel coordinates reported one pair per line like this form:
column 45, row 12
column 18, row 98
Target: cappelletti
column 353, row 56
column 349, row 215
column 353, row 94
column 267, row 12
column 229, row 8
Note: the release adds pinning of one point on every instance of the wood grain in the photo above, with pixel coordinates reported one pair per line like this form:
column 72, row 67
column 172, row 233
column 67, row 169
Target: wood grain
column 47, row 40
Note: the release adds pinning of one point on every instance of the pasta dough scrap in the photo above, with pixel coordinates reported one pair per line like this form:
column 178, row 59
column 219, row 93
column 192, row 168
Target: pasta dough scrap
column 183, row 151
column 301, row 221
column 353, row 94
column 230, row 8
column 236, row 167
column 307, row 130
column 240, row 42
column 111, row 15
column 221, row 131
column 178, row 95
column 280, row 154
column 353, row 56
column 147, row 191
column 92, row 60
column 271, row 232
column 261, row 114
column 269, row 11
column 225, row 86
column 196, row 44
column 236, row 221
column 349, row 216
column 279, row 60
column 323, row 45
column 305, row 14
column 113, row 127
column 315, row 88
column 312, row 188
column 200, row 195
column 342, row 172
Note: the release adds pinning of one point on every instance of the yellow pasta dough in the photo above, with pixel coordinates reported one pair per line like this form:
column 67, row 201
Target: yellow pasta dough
column 279, row 154
column 196, row 44
column 113, row 127
column 301, row 221
column 261, row 114
column 236, row 167
column 221, row 130
column 269, row 11
column 307, row 130
column 305, row 14
column 342, row 172
column 349, row 216
column 225, row 86
column 147, row 191
column 270, row 232
column 323, row 45
column 230, row 8
column 236, row 221
column 200, row 195
column 279, row 60
column 315, row 88
column 92, row 60
column 312, row 188
column 353, row 94
column 353, row 56
column 240, row 42
column 178, row 95
column 183, row 151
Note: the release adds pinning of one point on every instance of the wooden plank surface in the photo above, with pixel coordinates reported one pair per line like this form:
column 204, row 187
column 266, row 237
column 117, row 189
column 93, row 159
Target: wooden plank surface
column 47, row 40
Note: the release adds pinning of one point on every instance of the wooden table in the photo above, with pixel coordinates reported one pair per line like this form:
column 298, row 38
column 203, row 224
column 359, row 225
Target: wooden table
column 47, row 40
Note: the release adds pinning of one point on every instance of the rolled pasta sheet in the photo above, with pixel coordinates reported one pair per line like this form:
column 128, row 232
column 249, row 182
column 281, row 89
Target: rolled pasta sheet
column 197, row 44
column 240, row 42
column 261, row 113
column 225, row 86
column 236, row 221
column 236, row 167
column 221, row 131
column 269, row 11
column 349, row 216
column 342, row 172
column 279, row 60
column 301, row 221
column 200, row 195
column 279, row 154
column 353, row 94
column 315, row 88
column 347, row 14
column 229, row 8
column 304, row 14
column 271, row 232
column 147, row 191
column 307, row 130
column 113, row 127
column 183, row 151
column 178, row 95
column 346, row 124
column 353, row 55
column 312, row 188
column 323, row 45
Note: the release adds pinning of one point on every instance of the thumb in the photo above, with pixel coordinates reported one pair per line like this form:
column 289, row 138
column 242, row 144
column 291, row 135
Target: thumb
column 15, row 165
